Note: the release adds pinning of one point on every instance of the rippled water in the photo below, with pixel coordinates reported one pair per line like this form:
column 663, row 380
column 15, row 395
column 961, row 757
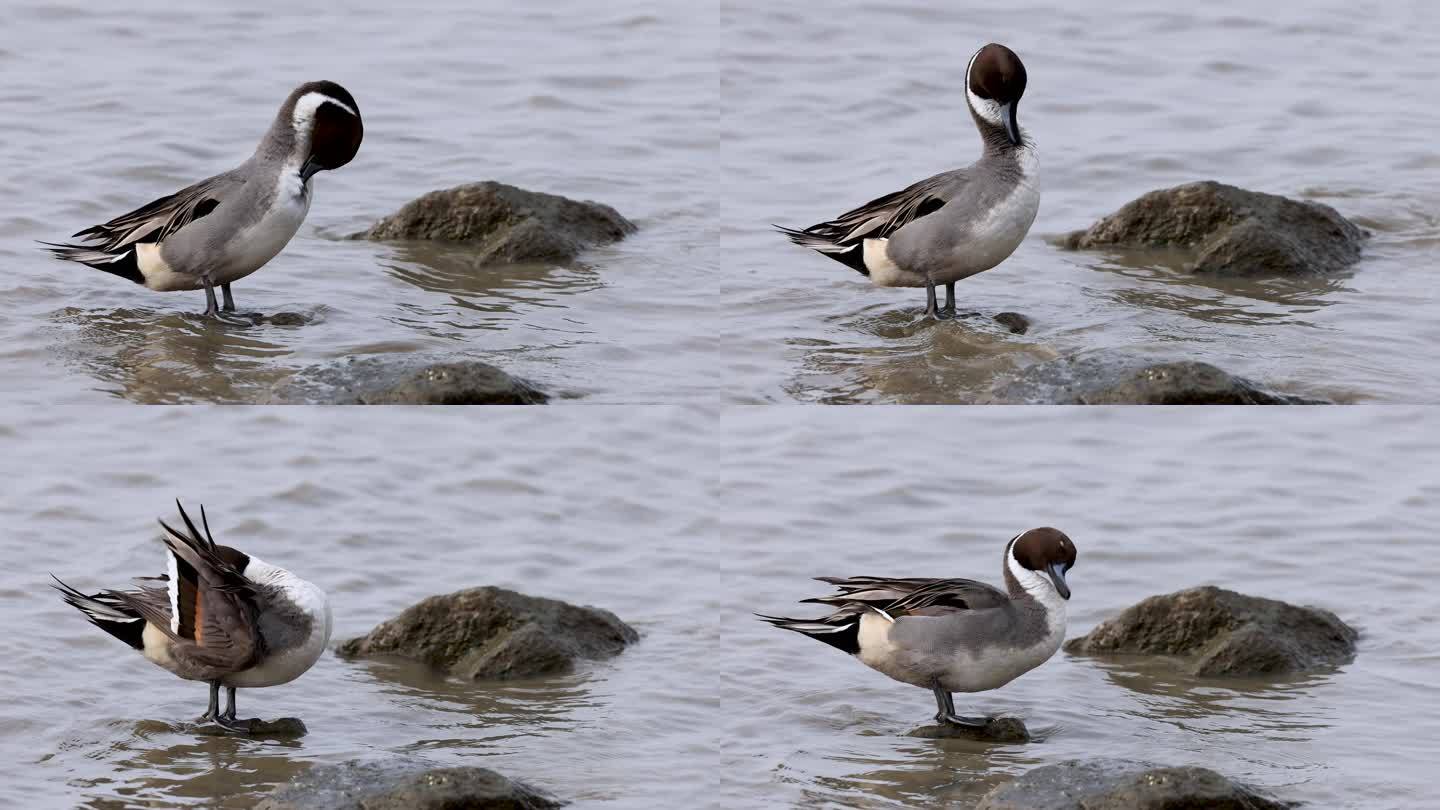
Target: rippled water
column 107, row 108
column 1328, row 101
column 684, row 537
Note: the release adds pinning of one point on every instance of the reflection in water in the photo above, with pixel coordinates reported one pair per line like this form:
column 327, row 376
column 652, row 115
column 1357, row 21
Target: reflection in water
column 161, row 764
column 488, row 289
column 911, row 358
column 482, row 713
column 165, row 357
column 1167, row 284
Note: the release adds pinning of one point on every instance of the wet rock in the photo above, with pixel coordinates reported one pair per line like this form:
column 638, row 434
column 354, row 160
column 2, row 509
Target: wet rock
column 1232, row 232
column 279, row 728
column 401, row 380
column 1222, row 632
column 1017, row 324
column 1114, row 378
column 504, row 223
column 1110, row 784
column 493, row 633
column 997, row 729
column 404, row 784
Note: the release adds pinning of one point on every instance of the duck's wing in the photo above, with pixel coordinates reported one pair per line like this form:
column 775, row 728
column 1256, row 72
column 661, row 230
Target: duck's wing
column 911, row 596
column 207, row 607
column 879, row 218
column 153, row 222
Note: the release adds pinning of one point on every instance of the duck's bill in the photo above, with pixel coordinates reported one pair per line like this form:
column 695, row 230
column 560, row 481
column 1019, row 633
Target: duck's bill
column 1057, row 576
column 1009, row 113
column 310, row 168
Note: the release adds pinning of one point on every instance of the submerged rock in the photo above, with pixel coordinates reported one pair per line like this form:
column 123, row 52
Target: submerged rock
column 493, row 633
column 1233, row 232
column 997, row 729
column 279, row 728
column 1114, row 378
column 1017, row 324
column 1111, row 784
column 404, row 784
column 402, row 380
column 1222, row 632
column 504, row 223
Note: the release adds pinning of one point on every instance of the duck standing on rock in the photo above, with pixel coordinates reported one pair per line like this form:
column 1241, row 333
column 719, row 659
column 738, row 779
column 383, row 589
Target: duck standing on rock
column 219, row 616
column 958, row 223
column 953, row 635
column 224, row 228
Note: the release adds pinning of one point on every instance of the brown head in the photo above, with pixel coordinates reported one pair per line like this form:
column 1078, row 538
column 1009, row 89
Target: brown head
column 331, row 118
column 1046, row 551
column 994, row 83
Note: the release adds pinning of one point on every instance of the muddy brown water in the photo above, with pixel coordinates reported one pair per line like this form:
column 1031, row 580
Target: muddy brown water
column 683, row 522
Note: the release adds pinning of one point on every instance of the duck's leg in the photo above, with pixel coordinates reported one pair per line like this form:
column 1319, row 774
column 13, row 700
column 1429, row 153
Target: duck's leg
column 947, row 715
column 948, row 311
column 214, row 711
column 229, row 704
column 212, row 308
column 932, row 308
column 229, row 299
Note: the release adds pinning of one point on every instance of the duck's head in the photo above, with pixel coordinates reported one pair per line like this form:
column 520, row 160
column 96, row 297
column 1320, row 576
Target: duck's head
column 327, row 126
column 1047, row 552
column 994, row 83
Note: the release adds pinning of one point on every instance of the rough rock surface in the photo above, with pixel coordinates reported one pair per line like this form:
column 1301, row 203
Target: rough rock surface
column 404, row 380
column 1232, row 231
column 1017, row 324
column 279, row 728
column 504, row 223
column 1109, row 784
column 1222, row 632
column 404, row 784
column 493, row 633
column 998, row 729
column 1115, row 378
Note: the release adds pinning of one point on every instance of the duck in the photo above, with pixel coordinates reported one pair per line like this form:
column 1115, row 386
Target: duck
column 222, row 229
column 952, row 635
column 218, row 615
column 958, row 223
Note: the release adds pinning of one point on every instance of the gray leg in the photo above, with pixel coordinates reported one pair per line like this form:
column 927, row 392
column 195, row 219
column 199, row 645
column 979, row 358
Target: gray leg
column 949, row 309
column 212, row 308
column 931, row 310
column 229, row 300
column 214, row 710
column 229, row 704
column 947, row 716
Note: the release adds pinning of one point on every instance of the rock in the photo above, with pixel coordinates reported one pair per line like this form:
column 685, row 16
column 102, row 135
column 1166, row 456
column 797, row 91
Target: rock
column 1225, row 633
column 401, row 380
column 1017, row 324
column 504, row 223
column 404, row 784
column 1110, row 784
column 1115, row 378
column 997, row 729
column 1233, row 232
column 493, row 633
column 279, row 728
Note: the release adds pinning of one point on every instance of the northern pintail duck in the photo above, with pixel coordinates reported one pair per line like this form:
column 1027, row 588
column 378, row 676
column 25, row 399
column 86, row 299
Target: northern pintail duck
column 957, row 223
column 953, row 635
column 219, row 615
column 226, row 227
